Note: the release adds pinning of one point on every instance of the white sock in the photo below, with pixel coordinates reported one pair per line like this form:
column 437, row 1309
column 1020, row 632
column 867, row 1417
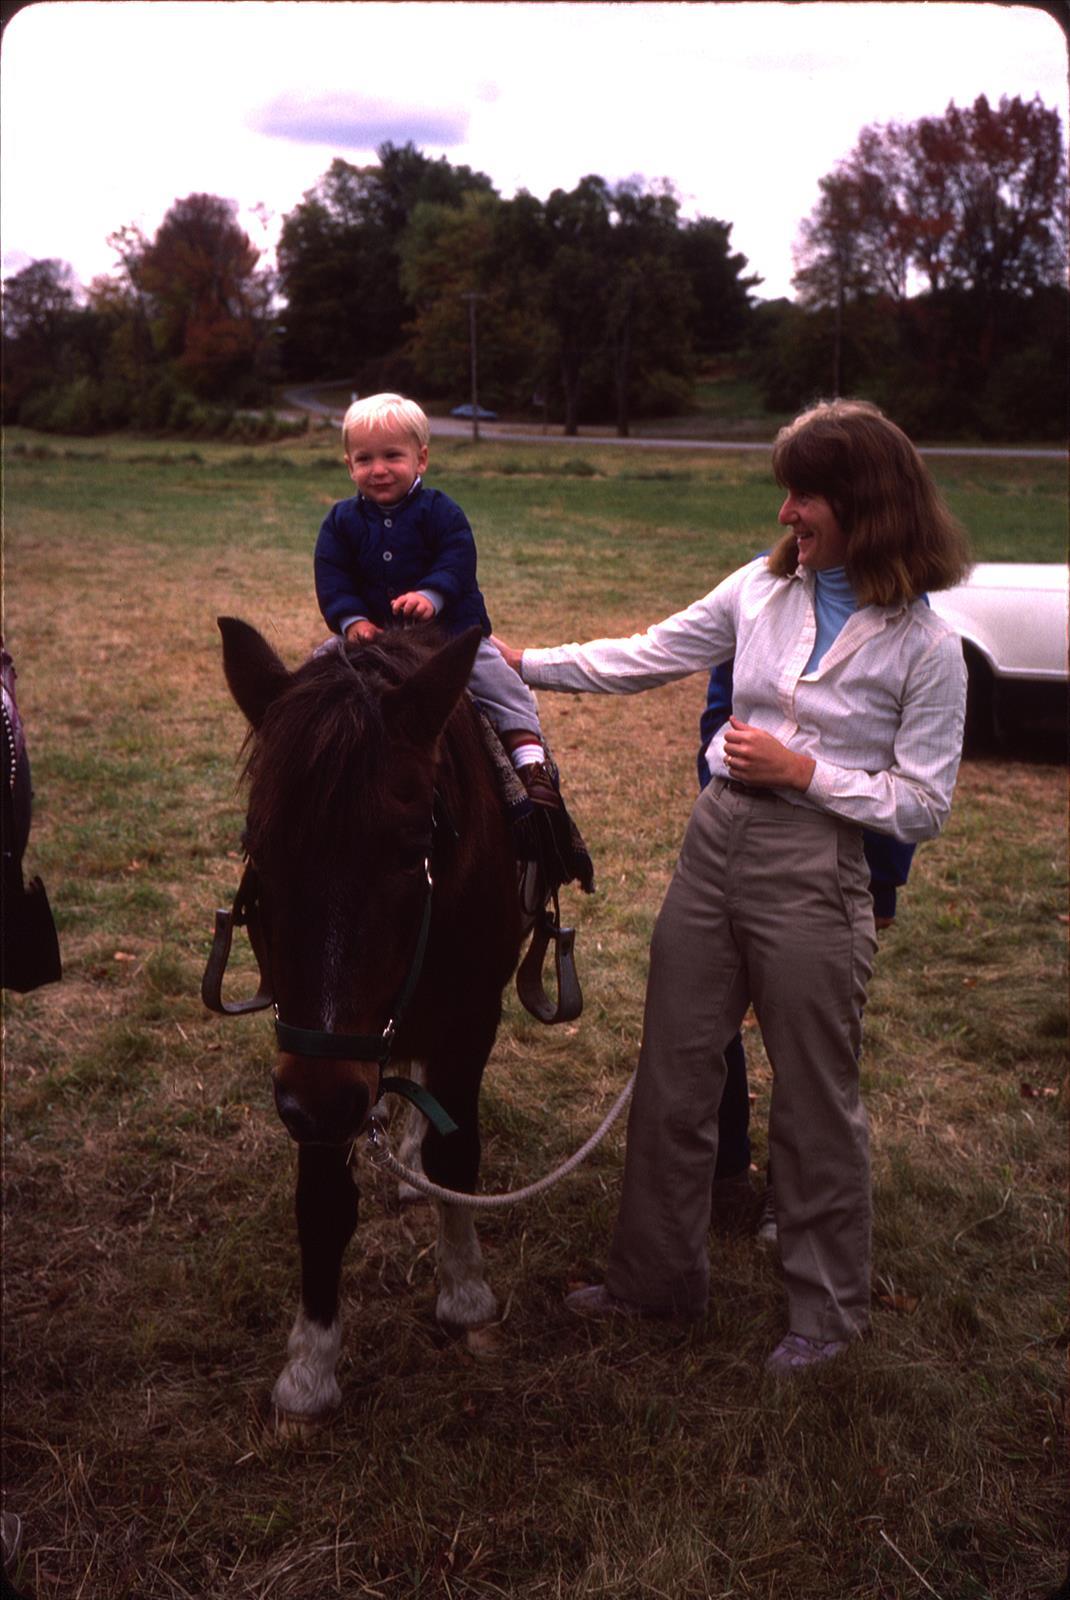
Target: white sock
column 525, row 755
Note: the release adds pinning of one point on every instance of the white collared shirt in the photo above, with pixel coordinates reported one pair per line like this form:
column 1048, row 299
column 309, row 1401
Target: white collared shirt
column 882, row 716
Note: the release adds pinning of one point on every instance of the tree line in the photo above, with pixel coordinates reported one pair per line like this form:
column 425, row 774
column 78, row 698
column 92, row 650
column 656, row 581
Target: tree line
column 930, row 276
column 934, row 269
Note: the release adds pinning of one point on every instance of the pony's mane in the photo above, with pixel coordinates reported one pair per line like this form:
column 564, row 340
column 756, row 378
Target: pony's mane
column 315, row 764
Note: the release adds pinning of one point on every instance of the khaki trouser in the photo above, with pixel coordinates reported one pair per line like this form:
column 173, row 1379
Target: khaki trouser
column 769, row 905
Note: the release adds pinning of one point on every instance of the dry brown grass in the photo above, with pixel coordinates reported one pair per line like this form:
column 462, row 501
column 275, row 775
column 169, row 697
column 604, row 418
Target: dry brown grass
column 150, row 1271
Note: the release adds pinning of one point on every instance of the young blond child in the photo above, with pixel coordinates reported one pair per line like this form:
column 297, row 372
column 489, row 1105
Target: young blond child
column 397, row 549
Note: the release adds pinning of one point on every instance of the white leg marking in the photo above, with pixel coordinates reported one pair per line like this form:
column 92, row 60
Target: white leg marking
column 464, row 1298
column 306, row 1386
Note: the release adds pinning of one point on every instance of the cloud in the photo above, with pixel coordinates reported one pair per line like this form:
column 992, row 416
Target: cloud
column 354, row 122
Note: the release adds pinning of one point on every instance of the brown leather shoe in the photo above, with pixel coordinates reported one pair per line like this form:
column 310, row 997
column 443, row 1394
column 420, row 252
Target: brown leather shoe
column 537, row 781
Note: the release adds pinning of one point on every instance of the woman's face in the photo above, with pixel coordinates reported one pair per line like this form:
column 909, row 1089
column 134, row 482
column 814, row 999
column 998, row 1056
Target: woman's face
column 822, row 542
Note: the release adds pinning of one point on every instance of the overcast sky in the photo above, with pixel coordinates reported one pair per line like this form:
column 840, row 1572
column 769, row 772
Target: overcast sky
column 110, row 111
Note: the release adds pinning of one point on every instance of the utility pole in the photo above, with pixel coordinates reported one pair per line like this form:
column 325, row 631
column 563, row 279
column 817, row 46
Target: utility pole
column 472, row 298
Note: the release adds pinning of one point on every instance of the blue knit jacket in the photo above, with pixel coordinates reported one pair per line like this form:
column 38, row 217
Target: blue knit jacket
column 367, row 555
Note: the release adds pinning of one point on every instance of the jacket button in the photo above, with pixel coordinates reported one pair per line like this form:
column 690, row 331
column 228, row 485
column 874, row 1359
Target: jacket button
column 388, row 555
column 387, row 522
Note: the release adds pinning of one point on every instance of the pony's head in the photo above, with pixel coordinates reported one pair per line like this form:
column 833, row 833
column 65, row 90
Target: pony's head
column 341, row 771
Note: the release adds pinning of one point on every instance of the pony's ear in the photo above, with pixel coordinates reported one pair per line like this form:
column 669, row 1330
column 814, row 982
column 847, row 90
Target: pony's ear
column 420, row 705
column 253, row 671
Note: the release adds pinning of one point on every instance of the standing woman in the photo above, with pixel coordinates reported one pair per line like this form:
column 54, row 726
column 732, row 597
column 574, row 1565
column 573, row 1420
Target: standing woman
column 848, row 710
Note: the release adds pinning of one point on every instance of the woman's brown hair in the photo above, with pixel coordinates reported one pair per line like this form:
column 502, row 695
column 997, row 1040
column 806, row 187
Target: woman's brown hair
column 902, row 540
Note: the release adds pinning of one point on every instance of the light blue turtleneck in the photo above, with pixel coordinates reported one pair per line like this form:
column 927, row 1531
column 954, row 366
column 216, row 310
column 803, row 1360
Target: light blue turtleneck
column 834, row 602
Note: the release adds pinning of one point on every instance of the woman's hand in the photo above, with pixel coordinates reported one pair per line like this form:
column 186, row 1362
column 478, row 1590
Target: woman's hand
column 510, row 655
column 753, row 756
column 414, row 605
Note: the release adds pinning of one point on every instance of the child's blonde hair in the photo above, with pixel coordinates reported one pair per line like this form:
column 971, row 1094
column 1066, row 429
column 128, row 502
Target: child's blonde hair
column 390, row 411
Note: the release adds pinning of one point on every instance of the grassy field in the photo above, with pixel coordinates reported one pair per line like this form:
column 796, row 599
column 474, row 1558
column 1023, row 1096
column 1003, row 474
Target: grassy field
column 150, row 1265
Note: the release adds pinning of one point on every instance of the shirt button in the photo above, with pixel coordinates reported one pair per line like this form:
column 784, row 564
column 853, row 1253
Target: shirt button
column 388, row 555
column 387, row 522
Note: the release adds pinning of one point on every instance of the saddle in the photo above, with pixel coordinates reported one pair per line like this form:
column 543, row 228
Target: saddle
column 547, row 838
column 550, row 851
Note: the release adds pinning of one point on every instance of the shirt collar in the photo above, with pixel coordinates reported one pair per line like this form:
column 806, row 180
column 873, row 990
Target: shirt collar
column 896, row 609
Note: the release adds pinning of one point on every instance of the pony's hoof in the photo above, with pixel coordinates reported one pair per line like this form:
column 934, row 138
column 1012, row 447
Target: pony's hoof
column 294, row 1429
column 484, row 1343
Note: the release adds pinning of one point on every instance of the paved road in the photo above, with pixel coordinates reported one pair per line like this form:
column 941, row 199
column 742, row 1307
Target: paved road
column 455, row 428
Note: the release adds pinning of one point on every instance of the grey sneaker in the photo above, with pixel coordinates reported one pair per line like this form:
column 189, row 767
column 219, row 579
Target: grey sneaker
column 795, row 1352
column 596, row 1301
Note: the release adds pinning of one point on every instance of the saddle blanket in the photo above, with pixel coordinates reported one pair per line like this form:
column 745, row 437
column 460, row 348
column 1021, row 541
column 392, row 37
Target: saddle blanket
column 550, row 839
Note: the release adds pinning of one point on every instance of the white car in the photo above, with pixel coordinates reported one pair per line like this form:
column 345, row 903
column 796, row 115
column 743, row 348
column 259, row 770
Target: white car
column 1012, row 617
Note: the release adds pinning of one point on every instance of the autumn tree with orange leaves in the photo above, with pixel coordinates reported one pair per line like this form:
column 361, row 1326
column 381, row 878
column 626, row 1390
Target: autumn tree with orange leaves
column 207, row 301
column 972, row 200
column 943, row 241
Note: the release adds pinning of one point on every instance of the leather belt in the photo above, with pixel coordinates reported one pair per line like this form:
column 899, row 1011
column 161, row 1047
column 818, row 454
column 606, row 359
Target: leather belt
column 754, row 790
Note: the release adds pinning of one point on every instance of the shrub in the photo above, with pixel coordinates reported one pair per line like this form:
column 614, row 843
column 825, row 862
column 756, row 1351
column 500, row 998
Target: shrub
column 181, row 413
column 155, row 410
column 71, row 408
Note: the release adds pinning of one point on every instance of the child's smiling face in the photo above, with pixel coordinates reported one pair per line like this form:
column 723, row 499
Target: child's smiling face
column 384, row 464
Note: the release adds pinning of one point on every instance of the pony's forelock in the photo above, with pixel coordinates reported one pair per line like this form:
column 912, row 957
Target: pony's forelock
column 317, row 758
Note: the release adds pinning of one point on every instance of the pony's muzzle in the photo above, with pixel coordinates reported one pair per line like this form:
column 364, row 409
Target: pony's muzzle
column 324, row 1102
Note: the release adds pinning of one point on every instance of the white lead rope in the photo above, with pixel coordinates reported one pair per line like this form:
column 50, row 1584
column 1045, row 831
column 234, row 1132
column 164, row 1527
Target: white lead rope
column 383, row 1157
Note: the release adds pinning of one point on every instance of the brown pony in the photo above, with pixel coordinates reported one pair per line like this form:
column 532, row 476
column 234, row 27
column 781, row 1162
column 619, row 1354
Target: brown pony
column 369, row 781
